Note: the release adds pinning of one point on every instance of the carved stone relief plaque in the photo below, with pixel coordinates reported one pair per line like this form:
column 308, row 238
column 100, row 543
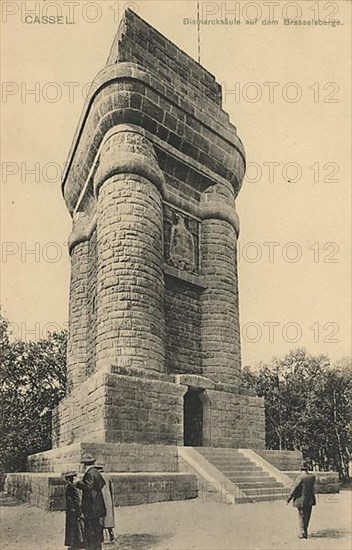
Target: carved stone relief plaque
column 181, row 240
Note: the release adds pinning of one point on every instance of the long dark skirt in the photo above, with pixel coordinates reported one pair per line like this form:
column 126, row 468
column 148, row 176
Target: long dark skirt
column 74, row 531
column 94, row 534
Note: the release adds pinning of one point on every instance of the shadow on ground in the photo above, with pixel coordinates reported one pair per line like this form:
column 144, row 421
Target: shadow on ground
column 140, row 541
column 329, row 534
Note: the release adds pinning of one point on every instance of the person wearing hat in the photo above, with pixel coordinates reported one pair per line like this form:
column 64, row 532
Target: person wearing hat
column 74, row 525
column 93, row 506
column 108, row 496
column 302, row 494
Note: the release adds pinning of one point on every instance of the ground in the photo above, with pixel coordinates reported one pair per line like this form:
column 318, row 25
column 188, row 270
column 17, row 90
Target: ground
column 191, row 525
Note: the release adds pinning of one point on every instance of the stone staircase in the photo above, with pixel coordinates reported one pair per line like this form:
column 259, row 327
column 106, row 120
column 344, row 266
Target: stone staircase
column 254, row 482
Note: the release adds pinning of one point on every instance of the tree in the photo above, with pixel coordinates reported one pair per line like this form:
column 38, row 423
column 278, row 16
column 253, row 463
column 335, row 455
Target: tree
column 331, row 402
column 32, row 381
column 307, row 407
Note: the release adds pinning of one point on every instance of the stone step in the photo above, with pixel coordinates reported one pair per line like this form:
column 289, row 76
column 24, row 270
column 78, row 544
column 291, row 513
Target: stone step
column 218, row 449
column 221, row 459
column 238, row 458
column 232, row 465
column 236, row 478
column 226, row 467
column 228, row 459
column 219, row 452
column 261, row 491
column 257, row 484
column 243, row 500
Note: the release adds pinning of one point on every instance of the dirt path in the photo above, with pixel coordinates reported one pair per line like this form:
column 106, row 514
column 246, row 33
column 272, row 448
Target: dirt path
column 191, row 525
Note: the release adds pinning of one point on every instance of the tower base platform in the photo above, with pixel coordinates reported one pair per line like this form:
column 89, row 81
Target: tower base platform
column 145, row 474
column 47, row 490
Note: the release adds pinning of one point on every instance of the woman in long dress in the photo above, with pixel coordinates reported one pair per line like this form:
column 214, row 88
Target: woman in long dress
column 74, row 527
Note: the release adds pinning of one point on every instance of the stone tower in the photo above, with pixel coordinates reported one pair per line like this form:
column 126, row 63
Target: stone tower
column 154, row 341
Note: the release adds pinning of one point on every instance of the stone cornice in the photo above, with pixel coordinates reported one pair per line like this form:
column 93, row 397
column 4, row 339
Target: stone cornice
column 137, row 164
column 127, row 151
column 82, row 230
column 220, row 211
column 117, row 161
column 83, row 150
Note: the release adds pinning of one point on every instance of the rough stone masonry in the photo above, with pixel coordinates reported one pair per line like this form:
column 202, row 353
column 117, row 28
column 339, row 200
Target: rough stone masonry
column 154, row 356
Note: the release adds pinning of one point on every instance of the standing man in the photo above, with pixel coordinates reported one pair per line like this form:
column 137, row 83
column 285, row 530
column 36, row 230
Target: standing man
column 93, row 506
column 108, row 496
column 303, row 497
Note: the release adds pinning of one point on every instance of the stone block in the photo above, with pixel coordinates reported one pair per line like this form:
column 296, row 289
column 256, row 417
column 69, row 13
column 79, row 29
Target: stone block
column 47, row 491
column 116, row 457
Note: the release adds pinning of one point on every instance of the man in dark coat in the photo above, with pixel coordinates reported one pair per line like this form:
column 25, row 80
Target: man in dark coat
column 302, row 494
column 74, row 526
column 93, row 506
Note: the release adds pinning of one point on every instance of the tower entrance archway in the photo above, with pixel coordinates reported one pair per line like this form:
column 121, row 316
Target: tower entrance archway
column 193, row 418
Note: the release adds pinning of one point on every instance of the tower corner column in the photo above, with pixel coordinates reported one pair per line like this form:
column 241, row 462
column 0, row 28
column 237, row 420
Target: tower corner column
column 130, row 280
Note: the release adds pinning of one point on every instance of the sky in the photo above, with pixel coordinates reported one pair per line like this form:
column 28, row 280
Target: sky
column 286, row 89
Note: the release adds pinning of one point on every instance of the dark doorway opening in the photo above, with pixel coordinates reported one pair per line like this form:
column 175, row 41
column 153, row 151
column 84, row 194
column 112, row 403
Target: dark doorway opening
column 193, row 418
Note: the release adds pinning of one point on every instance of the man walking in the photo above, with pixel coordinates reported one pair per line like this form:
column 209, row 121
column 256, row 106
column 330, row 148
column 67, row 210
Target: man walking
column 93, row 506
column 302, row 494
